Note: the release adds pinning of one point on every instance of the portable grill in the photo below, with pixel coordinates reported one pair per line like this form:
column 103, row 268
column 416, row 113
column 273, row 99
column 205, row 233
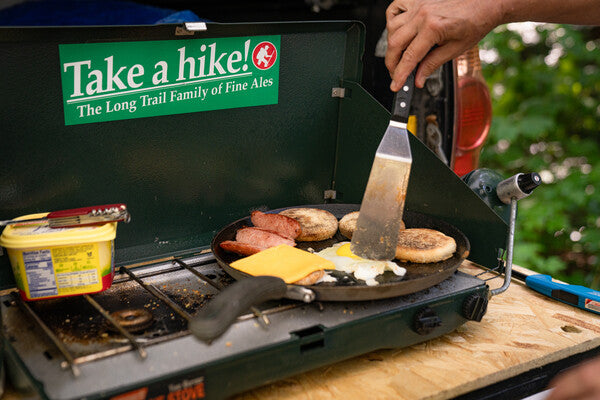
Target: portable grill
column 186, row 172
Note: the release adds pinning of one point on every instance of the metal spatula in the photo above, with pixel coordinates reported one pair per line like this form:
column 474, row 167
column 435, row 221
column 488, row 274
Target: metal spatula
column 376, row 234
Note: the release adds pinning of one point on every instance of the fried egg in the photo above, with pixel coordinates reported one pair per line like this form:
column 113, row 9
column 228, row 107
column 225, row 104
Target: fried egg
column 363, row 269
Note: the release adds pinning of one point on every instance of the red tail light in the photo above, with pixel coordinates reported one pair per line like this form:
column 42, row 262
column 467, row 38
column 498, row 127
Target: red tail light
column 474, row 112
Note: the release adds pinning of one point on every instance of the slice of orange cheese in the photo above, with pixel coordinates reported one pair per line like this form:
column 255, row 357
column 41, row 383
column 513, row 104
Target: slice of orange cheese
column 283, row 261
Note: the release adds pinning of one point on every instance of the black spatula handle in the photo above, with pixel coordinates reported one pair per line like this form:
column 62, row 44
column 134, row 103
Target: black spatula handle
column 403, row 98
column 221, row 312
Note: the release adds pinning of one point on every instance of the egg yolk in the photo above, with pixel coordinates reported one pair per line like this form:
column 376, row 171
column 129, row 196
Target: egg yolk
column 344, row 251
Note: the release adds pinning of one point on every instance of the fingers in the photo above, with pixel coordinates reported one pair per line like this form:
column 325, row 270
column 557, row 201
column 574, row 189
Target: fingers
column 399, row 35
column 396, row 54
column 579, row 383
column 395, row 8
column 398, row 21
column 420, row 44
column 567, row 387
column 408, row 47
column 426, row 23
column 410, row 37
column 436, row 58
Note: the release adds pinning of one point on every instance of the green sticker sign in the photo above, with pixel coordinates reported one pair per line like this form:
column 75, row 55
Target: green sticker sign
column 125, row 80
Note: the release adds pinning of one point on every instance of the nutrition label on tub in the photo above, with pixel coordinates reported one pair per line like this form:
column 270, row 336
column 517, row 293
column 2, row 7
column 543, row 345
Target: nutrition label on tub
column 40, row 273
column 62, row 270
column 77, row 278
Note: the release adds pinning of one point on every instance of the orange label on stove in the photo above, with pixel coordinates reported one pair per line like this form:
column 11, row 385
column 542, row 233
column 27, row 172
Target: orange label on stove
column 186, row 387
column 138, row 394
column 191, row 389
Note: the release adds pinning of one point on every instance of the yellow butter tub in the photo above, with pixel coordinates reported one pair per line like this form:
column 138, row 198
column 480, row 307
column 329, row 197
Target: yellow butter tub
column 59, row 262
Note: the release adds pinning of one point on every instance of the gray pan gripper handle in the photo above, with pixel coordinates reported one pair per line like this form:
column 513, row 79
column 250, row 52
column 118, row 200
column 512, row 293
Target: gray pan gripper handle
column 222, row 311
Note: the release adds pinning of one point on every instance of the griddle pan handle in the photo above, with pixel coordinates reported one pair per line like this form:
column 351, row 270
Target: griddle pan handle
column 221, row 312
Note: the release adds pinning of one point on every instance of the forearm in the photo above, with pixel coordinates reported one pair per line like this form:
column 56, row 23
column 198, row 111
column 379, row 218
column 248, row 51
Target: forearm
column 416, row 26
column 576, row 12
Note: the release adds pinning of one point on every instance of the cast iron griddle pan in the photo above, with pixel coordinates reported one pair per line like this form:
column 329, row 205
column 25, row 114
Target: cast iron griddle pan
column 222, row 310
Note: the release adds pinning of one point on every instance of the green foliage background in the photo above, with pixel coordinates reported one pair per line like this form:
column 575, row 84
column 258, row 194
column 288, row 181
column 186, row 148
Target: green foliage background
column 546, row 107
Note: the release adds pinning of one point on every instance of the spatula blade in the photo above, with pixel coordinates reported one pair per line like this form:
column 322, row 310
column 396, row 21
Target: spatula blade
column 380, row 218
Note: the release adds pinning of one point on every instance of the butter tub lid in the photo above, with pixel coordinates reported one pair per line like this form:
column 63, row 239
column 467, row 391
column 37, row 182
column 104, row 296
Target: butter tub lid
column 41, row 235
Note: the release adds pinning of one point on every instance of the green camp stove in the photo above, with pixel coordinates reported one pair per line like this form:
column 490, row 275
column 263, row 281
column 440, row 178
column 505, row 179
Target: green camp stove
column 94, row 361
column 193, row 126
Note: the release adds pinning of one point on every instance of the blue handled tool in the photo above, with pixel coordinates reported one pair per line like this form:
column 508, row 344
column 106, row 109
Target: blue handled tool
column 579, row 296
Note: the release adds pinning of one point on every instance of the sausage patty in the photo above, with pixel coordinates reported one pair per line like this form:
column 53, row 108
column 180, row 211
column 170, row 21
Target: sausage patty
column 262, row 237
column 241, row 248
column 283, row 225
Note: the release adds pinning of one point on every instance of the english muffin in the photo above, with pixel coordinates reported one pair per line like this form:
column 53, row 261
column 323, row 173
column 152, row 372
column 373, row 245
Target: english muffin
column 316, row 224
column 420, row 245
column 311, row 278
column 348, row 224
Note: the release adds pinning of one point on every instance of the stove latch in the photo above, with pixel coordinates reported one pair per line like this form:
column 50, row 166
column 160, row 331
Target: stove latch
column 426, row 320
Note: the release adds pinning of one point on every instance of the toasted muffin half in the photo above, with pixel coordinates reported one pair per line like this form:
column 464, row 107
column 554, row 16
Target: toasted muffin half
column 348, row 224
column 316, row 224
column 311, row 278
column 420, row 245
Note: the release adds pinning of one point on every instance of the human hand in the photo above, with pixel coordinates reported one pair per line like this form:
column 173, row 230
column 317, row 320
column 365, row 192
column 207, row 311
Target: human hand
column 415, row 26
column 581, row 382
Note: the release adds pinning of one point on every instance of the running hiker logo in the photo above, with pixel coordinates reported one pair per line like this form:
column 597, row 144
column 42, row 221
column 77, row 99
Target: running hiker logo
column 264, row 55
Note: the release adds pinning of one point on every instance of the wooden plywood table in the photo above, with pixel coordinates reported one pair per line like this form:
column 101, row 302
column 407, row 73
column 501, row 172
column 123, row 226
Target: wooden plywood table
column 522, row 330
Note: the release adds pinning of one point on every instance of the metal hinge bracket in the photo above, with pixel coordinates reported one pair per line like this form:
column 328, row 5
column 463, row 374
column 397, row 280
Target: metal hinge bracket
column 338, row 92
column 330, row 194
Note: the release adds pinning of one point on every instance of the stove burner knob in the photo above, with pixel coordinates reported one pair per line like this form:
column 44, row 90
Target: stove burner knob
column 426, row 320
column 517, row 187
column 528, row 182
column 475, row 307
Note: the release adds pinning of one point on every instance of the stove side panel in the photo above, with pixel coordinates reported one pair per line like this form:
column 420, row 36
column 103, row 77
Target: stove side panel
column 183, row 176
